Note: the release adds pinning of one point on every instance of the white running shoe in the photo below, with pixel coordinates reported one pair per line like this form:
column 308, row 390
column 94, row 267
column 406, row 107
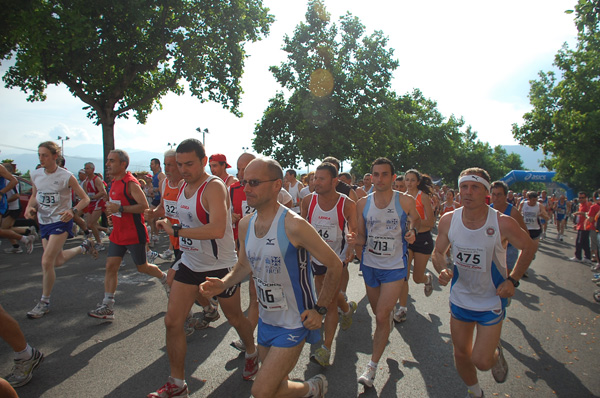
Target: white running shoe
column 39, row 310
column 400, row 315
column 29, row 244
column 368, row 376
column 151, row 256
column 320, row 383
column 167, row 254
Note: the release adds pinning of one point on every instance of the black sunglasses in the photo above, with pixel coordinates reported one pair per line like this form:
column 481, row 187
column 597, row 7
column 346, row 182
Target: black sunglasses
column 255, row 183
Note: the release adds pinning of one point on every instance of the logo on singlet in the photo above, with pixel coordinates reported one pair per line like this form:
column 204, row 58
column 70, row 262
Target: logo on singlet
column 270, row 242
column 490, row 231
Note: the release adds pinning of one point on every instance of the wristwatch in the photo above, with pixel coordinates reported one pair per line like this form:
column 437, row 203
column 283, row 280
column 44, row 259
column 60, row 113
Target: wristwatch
column 320, row 310
column 121, row 210
column 515, row 282
column 176, row 228
column 74, row 210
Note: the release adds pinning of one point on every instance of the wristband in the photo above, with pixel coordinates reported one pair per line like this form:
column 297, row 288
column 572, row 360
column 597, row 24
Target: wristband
column 121, row 209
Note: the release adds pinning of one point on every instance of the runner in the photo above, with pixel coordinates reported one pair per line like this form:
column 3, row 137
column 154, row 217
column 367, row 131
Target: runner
column 95, row 189
column 367, row 187
column 275, row 251
column 293, row 186
column 400, row 184
column 16, row 235
column 480, row 281
column 545, row 202
column 532, row 211
column 562, row 209
column 420, row 187
column 449, row 204
column 126, row 207
column 334, row 216
column 157, row 180
column 309, row 186
column 26, row 358
column 382, row 220
column 51, row 200
column 500, row 203
column 208, row 250
column 218, row 167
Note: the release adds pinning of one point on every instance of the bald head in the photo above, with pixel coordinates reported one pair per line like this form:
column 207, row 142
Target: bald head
column 242, row 163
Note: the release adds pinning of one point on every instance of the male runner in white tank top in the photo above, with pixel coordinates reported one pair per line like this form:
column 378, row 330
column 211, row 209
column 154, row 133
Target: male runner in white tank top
column 382, row 235
column 273, row 246
column 293, row 186
column 208, row 250
column 480, row 280
column 334, row 216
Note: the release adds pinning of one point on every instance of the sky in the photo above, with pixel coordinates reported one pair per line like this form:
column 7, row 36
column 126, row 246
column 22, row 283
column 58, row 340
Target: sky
column 474, row 58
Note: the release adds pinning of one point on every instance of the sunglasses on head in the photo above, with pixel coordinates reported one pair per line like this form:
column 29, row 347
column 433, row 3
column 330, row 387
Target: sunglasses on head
column 255, row 183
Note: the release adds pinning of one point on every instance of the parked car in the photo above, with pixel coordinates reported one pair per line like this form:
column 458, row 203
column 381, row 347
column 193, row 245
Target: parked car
column 25, row 194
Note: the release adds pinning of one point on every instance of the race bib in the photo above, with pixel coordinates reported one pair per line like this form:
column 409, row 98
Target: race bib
column 246, row 209
column 470, row 258
column 48, row 199
column 170, row 208
column 381, row 245
column 270, row 296
column 118, row 203
column 328, row 233
column 190, row 245
column 530, row 218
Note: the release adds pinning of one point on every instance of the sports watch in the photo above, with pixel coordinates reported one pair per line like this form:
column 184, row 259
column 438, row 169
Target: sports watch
column 515, row 282
column 320, row 310
column 176, row 228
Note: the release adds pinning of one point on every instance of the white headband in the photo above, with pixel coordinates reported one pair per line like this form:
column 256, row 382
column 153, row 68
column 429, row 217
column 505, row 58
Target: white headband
column 475, row 178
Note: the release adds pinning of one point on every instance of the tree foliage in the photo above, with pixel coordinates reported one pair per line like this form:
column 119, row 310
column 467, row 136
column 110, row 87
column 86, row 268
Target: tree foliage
column 336, row 99
column 120, row 57
column 565, row 119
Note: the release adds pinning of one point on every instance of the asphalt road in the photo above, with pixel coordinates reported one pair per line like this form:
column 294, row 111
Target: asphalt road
column 549, row 337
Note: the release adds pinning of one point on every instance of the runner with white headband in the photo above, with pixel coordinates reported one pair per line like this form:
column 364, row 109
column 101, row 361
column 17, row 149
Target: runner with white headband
column 481, row 282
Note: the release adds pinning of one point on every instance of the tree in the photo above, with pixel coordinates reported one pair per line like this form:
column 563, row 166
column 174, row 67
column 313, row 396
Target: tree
column 120, row 57
column 334, row 79
column 565, row 119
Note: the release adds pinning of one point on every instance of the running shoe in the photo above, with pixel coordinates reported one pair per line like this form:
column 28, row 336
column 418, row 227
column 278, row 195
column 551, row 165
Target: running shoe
column 151, row 256
column 190, row 325
column 40, row 309
column 500, row 368
column 587, row 261
column 368, row 376
column 170, row 390
column 596, row 279
column 470, row 394
column 321, row 356
column 238, row 345
column 597, row 296
column 400, row 315
column 87, row 234
column 574, row 259
column 428, row 285
column 346, row 319
column 99, row 247
column 102, row 235
column 29, row 243
column 319, row 383
column 103, row 312
column 595, row 268
column 251, row 366
column 88, row 248
column 165, row 285
column 22, row 370
column 33, row 232
column 207, row 318
column 167, row 254
column 14, row 250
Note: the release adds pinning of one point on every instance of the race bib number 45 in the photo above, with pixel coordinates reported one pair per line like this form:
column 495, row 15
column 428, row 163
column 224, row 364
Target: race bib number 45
column 470, row 258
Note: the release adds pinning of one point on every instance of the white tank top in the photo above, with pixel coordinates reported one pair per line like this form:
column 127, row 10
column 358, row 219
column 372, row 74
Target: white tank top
column 282, row 274
column 385, row 247
column 530, row 215
column 331, row 225
column 53, row 194
column 203, row 255
column 295, row 197
column 479, row 263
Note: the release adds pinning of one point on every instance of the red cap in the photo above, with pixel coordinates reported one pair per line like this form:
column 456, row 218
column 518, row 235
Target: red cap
column 219, row 157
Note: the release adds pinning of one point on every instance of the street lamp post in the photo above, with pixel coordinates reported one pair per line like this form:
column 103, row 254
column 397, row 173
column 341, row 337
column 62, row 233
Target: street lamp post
column 171, row 145
column 62, row 144
column 204, row 132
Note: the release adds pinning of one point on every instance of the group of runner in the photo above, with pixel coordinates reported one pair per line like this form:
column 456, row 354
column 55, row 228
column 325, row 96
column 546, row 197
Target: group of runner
column 296, row 242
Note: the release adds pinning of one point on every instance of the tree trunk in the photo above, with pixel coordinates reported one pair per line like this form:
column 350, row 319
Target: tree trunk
column 108, row 138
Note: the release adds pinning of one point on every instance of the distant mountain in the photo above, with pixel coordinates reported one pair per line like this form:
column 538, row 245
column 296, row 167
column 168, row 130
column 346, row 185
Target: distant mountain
column 140, row 159
column 531, row 159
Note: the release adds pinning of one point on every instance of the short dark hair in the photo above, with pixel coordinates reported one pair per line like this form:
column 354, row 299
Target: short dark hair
column 532, row 194
column 500, row 184
column 346, row 175
column 291, row 171
column 329, row 167
column 192, row 145
column 582, row 193
column 333, row 161
column 382, row 160
column 155, row 160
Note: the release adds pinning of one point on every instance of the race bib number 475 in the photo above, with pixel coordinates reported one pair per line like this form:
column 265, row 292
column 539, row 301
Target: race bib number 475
column 470, row 258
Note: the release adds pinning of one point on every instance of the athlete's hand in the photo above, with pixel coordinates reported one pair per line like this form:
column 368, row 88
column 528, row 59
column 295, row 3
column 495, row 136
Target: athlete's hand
column 149, row 214
column 211, row 287
column 165, row 225
column 311, row 319
column 445, row 276
column 352, row 237
column 30, row 213
column 235, row 217
column 410, row 236
column 506, row 289
column 66, row 215
column 111, row 208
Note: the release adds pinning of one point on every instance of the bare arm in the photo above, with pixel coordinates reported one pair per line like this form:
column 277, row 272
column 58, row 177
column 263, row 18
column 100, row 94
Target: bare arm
column 352, row 220
column 100, row 188
column 514, row 213
column 442, row 243
column 12, row 181
column 138, row 195
column 304, row 205
column 408, row 204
